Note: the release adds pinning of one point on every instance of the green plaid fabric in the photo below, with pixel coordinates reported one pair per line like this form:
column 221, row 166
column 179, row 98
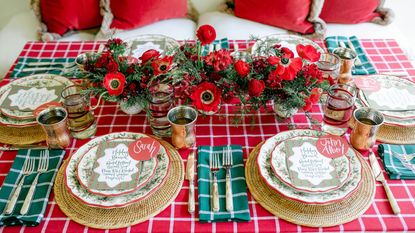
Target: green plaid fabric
column 396, row 165
column 223, row 43
column 43, row 188
column 23, row 61
column 240, row 198
column 366, row 68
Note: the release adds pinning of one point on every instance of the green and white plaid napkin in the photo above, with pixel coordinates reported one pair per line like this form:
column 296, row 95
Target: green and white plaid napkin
column 43, row 188
column 397, row 165
column 223, row 43
column 240, row 198
column 366, row 68
column 22, row 64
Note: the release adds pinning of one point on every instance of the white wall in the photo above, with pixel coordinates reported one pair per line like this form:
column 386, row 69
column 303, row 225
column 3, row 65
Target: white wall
column 404, row 15
column 8, row 8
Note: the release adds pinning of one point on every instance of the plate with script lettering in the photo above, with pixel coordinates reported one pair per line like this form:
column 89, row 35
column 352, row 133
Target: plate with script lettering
column 349, row 179
column 117, row 147
column 393, row 96
column 299, row 163
column 21, row 97
column 108, row 170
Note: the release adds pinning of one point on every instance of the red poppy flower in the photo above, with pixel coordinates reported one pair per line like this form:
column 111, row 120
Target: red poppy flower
column 242, row 68
column 206, row 34
column 114, row 83
column 206, row 97
column 308, row 52
column 149, row 55
column 256, row 87
column 288, row 67
column 286, row 52
column 162, row 66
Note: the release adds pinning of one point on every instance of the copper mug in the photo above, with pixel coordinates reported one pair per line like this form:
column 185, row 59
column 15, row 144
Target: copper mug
column 54, row 121
column 183, row 126
column 366, row 122
column 347, row 57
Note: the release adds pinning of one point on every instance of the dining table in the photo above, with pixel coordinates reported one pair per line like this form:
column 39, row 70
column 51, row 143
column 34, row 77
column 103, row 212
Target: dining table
column 226, row 127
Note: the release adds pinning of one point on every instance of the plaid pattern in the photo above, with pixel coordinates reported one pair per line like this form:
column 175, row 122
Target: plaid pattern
column 366, row 68
column 43, row 188
column 220, row 129
column 396, row 165
column 240, row 198
column 222, row 43
column 24, row 61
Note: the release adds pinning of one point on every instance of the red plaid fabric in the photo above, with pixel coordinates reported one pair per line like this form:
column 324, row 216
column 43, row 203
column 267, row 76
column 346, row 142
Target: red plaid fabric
column 385, row 54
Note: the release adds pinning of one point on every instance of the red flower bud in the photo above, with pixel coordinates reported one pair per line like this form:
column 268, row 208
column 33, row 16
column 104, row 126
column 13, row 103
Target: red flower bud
column 242, row 68
column 206, row 34
column 256, row 87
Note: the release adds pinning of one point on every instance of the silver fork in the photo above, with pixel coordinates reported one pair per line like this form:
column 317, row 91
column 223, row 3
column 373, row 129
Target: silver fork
column 41, row 168
column 227, row 164
column 28, row 168
column 214, row 168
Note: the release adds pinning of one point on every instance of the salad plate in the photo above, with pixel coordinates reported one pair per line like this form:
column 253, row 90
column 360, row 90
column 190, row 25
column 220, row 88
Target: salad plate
column 81, row 193
column 124, row 175
column 21, row 97
column 273, row 181
column 393, row 96
column 165, row 45
column 298, row 163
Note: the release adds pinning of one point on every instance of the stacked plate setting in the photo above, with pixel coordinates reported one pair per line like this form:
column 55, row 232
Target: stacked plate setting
column 280, row 166
column 394, row 97
column 18, row 101
column 151, row 175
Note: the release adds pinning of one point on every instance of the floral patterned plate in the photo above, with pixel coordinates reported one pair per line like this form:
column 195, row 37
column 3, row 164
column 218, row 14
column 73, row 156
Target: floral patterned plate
column 339, row 167
column 289, row 41
column 13, row 117
column 147, row 170
column 164, row 44
column 82, row 194
column 266, row 172
column 391, row 97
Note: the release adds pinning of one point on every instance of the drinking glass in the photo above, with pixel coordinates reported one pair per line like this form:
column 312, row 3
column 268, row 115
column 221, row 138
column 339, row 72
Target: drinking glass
column 161, row 101
column 54, row 122
column 367, row 121
column 183, row 121
column 80, row 115
column 329, row 65
column 347, row 57
column 338, row 108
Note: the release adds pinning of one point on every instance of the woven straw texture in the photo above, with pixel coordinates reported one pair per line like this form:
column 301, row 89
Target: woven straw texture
column 396, row 134
column 310, row 215
column 22, row 136
column 124, row 216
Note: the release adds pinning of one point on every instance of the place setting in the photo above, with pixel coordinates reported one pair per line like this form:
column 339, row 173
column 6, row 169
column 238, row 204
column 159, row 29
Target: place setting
column 18, row 104
column 115, row 173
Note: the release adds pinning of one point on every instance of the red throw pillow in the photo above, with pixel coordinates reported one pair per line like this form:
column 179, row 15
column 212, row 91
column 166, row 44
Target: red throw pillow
column 61, row 16
column 131, row 13
column 349, row 11
column 291, row 15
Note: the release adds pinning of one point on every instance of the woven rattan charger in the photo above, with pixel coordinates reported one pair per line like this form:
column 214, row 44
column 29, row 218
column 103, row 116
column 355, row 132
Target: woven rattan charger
column 124, row 216
column 310, row 215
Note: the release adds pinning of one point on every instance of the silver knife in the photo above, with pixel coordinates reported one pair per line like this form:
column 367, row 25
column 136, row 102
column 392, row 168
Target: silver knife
column 190, row 174
column 380, row 177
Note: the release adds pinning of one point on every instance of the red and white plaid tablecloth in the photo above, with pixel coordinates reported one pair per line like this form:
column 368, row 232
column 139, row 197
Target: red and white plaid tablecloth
column 385, row 54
